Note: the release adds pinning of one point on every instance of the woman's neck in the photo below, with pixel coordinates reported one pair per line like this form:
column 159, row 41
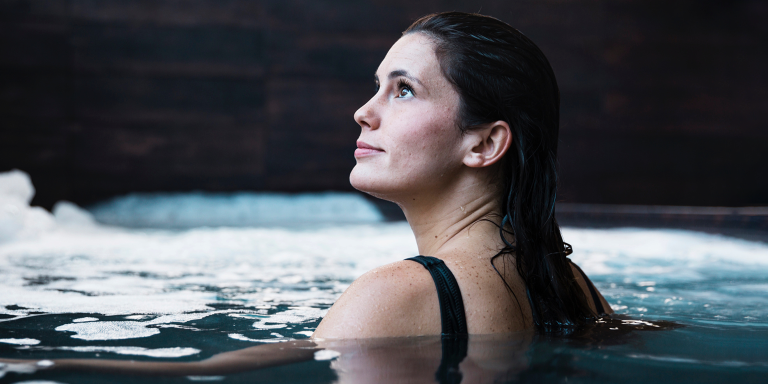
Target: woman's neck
column 450, row 224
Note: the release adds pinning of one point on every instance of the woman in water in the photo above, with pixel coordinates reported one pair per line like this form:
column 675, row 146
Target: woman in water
column 462, row 134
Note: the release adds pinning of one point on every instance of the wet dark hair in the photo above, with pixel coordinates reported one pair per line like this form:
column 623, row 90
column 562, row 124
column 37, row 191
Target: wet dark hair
column 500, row 74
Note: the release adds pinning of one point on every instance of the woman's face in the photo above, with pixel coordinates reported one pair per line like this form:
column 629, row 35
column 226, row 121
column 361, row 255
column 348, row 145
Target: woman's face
column 410, row 143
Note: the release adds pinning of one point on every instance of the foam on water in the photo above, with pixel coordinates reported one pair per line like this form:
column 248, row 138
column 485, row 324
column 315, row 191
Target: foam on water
column 155, row 279
column 17, row 219
column 278, row 339
column 128, row 350
column 84, row 319
column 20, row 341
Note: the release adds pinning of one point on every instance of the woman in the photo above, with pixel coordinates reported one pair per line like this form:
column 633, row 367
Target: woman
column 462, row 134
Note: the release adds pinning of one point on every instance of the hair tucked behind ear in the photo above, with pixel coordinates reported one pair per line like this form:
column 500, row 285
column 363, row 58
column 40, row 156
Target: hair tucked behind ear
column 502, row 75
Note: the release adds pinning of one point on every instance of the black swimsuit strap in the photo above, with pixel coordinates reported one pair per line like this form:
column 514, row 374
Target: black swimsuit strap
column 448, row 293
column 593, row 291
column 454, row 322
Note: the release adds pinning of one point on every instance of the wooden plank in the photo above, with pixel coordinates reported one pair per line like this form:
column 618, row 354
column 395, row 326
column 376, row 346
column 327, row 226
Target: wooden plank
column 129, row 98
column 39, row 46
column 239, row 13
column 173, row 51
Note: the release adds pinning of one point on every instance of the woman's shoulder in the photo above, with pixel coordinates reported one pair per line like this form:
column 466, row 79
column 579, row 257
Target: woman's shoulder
column 396, row 299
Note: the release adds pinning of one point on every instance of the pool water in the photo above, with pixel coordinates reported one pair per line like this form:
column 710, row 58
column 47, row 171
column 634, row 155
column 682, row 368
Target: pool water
column 74, row 288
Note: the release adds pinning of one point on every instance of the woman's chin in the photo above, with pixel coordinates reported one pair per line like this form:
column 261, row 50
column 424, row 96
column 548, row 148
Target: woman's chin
column 368, row 183
column 361, row 181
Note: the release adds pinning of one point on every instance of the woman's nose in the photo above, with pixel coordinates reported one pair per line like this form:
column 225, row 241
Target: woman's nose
column 366, row 116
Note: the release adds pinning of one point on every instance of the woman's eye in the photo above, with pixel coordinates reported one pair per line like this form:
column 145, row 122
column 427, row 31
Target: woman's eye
column 404, row 91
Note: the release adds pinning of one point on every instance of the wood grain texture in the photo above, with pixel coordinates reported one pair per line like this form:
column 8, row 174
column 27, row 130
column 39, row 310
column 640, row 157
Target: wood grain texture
column 662, row 102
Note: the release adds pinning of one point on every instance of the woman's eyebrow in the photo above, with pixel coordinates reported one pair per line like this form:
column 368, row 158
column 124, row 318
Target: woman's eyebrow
column 398, row 73
column 403, row 73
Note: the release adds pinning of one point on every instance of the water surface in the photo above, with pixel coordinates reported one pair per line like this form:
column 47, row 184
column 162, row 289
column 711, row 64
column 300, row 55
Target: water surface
column 74, row 288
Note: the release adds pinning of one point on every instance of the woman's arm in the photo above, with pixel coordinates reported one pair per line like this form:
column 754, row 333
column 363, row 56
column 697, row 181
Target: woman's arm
column 260, row 356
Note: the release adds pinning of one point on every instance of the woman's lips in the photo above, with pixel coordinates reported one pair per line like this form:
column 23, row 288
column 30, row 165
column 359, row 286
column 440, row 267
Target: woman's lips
column 365, row 149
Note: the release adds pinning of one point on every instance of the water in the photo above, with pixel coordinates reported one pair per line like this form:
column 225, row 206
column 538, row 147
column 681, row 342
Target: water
column 73, row 288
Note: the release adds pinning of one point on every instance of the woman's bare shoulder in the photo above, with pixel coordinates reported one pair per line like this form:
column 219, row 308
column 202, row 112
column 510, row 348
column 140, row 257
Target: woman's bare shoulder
column 397, row 299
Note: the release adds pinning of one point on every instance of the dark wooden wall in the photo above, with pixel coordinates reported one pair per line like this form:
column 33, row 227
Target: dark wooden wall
column 663, row 102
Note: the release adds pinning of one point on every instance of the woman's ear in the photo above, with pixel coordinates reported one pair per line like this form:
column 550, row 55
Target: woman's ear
column 489, row 143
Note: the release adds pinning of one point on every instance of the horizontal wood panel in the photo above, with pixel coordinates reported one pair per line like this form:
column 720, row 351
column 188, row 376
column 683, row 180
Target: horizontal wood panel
column 662, row 103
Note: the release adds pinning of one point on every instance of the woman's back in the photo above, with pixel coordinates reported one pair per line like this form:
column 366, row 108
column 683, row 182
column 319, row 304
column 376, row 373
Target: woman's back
column 401, row 299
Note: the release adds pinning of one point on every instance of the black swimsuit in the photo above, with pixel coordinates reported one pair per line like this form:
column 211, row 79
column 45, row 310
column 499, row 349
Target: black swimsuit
column 454, row 321
column 448, row 293
column 592, row 291
column 452, row 315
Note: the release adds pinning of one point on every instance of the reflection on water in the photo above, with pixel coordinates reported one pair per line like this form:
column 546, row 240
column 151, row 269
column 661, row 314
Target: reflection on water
column 70, row 287
column 480, row 359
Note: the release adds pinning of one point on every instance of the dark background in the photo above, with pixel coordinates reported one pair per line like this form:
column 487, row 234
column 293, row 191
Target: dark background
column 663, row 102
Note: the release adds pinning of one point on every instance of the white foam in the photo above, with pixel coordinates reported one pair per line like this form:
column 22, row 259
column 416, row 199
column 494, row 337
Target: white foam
column 17, row 368
column 136, row 351
column 17, row 219
column 240, row 337
column 293, row 316
column 116, row 330
column 668, row 254
column 108, row 330
column 69, row 214
column 146, row 274
column 84, row 319
column 20, row 341
column 130, row 272
column 16, row 185
column 326, row 354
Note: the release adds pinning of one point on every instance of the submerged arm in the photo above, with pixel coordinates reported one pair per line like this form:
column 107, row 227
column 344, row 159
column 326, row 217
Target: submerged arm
column 257, row 357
